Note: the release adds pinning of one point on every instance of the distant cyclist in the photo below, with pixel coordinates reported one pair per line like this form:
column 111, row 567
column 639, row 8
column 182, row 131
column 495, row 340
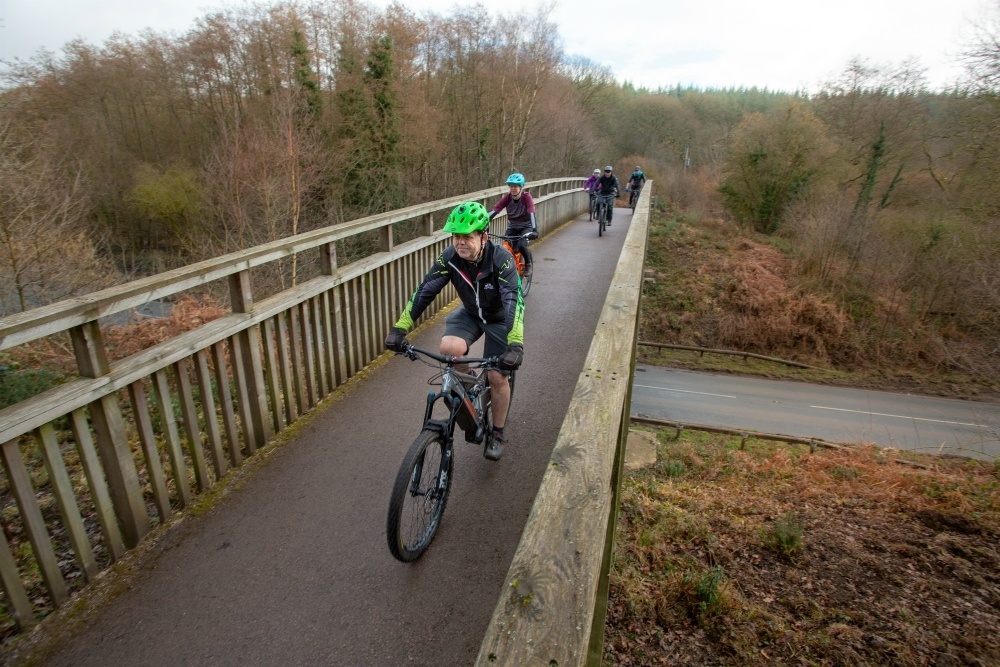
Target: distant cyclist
column 590, row 186
column 484, row 275
column 608, row 189
column 520, row 216
column 635, row 183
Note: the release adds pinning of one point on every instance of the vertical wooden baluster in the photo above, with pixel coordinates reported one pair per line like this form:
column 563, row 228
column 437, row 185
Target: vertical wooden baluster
column 18, row 603
column 62, row 491
column 287, row 378
column 193, row 431
column 272, row 374
column 208, row 409
column 98, row 485
column 165, row 406
column 34, row 523
column 226, row 403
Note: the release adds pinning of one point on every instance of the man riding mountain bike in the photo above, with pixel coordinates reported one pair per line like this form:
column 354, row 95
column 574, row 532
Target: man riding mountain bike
column 520, row 217
column 608, row 190
column 485, row 277
column 635, row 183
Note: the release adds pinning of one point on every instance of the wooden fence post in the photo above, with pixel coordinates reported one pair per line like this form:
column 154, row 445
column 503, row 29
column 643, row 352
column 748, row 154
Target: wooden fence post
column 112, row 441
column 247, row 346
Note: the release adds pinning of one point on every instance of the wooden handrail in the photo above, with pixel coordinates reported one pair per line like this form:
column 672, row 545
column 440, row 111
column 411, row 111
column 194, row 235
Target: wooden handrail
column 46, row 320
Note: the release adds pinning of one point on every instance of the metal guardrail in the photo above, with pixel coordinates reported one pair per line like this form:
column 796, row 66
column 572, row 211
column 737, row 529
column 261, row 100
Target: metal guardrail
column 147, row 433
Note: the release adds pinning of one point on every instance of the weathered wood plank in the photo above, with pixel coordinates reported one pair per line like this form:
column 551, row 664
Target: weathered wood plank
column 546, row 612
column 62, row 491
column 272, row 375
column 309, row 359
column 249, row 359
column 98, row 485
column 226, row 404
column 316, row 316
column 150, row 452
column 240, row 383
column 204, row 377
column 34, row 523
column 18, row 603
column 329, row 343
column 165, row 406
column 295, row 347
column 285, row 368
column 189, row 413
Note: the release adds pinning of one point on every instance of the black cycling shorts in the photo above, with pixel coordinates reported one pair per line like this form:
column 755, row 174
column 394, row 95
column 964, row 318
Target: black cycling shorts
column 460, row 323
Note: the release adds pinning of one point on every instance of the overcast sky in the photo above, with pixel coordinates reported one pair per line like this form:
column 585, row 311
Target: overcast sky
column 779, row 44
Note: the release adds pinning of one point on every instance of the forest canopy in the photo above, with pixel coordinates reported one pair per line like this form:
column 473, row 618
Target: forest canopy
column 151, row 151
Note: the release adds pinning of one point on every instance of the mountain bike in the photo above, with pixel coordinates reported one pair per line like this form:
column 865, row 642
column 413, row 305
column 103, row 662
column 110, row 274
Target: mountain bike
column 603, row 212
column 633, row 197
column 422, row 484
column 523, row 269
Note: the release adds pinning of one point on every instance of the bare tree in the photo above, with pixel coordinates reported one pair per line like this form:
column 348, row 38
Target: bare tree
column 45, row 252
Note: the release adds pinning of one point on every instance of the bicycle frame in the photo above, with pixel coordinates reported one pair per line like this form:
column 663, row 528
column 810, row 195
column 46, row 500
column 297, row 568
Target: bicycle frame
column 464, row 403
column 508, row 243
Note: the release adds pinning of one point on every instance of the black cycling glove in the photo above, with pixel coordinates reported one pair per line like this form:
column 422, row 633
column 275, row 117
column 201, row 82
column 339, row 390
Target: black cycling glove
column 395, row 340
column 512, row 358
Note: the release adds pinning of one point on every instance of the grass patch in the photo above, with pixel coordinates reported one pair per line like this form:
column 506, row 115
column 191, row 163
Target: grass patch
column 777, row 555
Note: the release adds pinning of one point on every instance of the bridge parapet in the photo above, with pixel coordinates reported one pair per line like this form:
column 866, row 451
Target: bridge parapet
column 130, row 442
column 552, row 606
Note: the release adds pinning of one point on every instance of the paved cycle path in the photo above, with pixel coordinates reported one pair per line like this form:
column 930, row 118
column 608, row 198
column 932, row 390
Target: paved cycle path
column 292, row 568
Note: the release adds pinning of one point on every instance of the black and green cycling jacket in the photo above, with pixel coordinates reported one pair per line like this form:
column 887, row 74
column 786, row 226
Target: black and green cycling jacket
column 490, row 289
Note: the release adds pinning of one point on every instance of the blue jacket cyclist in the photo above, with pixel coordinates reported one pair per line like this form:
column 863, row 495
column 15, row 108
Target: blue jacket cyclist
column 485, row 277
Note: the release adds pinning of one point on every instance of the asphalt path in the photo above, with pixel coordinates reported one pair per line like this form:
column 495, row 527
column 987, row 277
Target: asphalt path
column 292, row 567
column 836, row 414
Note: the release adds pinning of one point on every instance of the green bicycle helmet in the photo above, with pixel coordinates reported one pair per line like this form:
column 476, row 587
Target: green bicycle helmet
column 467, row 217
column 516, row 179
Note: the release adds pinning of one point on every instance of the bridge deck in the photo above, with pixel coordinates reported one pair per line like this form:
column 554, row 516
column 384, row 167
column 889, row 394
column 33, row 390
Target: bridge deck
column 292, row 567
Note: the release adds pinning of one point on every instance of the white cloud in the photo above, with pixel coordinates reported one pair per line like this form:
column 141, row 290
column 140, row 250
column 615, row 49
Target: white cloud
column 780, row 44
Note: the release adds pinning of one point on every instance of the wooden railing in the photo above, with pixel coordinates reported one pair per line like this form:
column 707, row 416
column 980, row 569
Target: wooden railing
column 129, row 443
column 552, row 607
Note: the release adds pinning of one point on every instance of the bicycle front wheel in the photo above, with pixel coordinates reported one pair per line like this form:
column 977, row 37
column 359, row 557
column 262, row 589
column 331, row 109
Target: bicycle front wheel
column 419, row 496
column 526, row 280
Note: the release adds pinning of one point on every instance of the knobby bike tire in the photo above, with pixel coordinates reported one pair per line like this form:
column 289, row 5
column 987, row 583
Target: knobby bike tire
column 526, row 281
column 600, row 219
column 591, row 209
column 419, row 496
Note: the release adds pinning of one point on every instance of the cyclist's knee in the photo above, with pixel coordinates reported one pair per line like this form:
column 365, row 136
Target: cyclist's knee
column 498, row 381
column 454, row 346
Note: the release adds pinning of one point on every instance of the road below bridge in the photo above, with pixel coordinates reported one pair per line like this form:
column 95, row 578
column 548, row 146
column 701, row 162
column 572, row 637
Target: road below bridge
column 926, row 424
column 292, row 568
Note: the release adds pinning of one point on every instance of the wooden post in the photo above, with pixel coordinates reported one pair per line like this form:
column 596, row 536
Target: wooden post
column 385, row 238
column 98, row 486
column 248, row 345
column 147, row 440
column 112, row 441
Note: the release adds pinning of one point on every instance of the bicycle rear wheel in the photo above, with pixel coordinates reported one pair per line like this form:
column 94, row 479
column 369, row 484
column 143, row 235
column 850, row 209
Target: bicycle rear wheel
column 419, row 496
column 600, row 219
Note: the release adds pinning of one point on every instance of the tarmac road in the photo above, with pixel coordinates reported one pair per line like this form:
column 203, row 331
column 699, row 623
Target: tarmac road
column 927, row 424
column 292, row 568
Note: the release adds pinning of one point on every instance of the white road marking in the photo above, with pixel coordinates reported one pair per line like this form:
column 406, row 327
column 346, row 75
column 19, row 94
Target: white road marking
column 682, row 391
column 881, row 414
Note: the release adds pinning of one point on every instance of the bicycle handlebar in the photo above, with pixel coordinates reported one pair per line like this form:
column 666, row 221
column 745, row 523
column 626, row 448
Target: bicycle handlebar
column 513, row 237
column 412, row 352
